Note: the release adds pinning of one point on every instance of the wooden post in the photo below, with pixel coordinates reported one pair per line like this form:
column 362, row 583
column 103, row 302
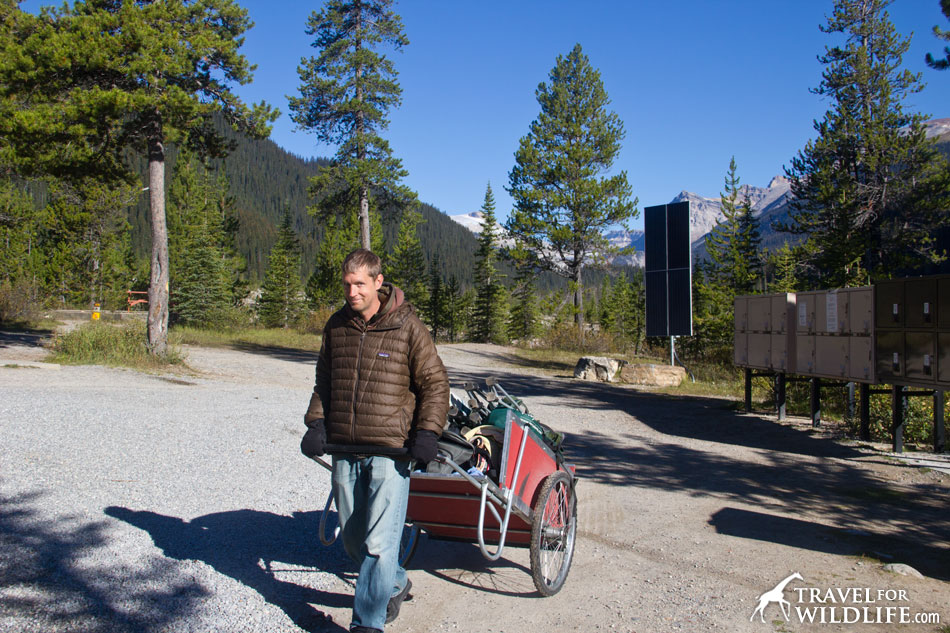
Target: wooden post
column 865, row 406
column 897, row 418
column 815, row 401
column 748, row 390
column 939, row 429
column 780, row 395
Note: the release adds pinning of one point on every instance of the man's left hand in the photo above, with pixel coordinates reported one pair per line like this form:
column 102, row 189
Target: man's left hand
column 424, row 446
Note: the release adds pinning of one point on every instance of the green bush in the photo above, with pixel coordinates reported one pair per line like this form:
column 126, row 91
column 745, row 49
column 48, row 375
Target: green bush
column 18, row 301
column 98, row 343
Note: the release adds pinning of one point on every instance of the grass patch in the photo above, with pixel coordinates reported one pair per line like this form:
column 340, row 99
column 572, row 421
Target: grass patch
column 258, row 337
column 97, row 343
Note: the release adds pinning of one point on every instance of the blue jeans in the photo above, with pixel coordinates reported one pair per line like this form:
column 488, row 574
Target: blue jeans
column 371, row 495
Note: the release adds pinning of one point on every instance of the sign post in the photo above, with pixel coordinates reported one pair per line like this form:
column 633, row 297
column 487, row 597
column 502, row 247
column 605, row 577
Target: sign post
column 668, row 272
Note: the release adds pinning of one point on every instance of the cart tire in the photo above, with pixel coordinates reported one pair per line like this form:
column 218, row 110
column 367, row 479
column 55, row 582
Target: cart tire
column 553, row 527
column 408, row 544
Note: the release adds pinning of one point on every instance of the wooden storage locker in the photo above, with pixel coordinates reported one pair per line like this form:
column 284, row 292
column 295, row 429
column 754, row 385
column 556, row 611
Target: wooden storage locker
column 805, row 312
column 831, row 356
column 742, row 314
column 889, row 304
column 943, row 303
column 889, row 355
column 921, row 362
column 741, row 350
column 920, row 301
column 943, row 356
column 760, row 313
column 760, row 350
column 861, row 359
column 861, row 310
column 783, row 312
column 805, row 354
column 831, row 312
column 783, row 352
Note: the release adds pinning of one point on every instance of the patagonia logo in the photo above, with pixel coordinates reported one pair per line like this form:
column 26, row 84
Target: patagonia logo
column 383, row 355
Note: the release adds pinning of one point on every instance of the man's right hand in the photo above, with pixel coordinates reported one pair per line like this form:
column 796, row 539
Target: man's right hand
column 314, row 441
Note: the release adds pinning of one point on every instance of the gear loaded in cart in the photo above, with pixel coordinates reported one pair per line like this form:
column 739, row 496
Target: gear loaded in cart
column 475, row 430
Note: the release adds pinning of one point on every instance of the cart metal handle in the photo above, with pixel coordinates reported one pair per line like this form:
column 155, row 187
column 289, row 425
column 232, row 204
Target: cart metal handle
column 349, row 449
column 507, row 492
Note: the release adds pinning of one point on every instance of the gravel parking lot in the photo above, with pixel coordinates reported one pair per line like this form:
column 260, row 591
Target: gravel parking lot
column 180, row 502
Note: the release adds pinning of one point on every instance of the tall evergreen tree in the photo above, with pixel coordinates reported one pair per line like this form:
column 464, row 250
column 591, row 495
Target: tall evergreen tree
column 733, row 244
column 407, row 265
column 563, row 204
column 870, row 188
column 488, row 321
column 944, row 62
column 524, row 317
column 345, row 94
column 203, row 263
column 85, row 86
column 282, row 300
column 625, row 307
column 783, row 263
column 454, row 309
column 436, row 307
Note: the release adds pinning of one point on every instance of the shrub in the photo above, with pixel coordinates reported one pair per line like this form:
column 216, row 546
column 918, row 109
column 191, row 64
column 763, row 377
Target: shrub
column 18, row 301
column 98, row 343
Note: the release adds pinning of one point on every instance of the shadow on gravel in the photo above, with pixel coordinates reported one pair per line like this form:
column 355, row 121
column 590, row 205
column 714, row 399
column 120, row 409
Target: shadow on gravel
column 796, row 469
column 800, row 534
column 280, row 353
column 45, row 583
column 462, row 564
column 23, row 338
column 251, row 547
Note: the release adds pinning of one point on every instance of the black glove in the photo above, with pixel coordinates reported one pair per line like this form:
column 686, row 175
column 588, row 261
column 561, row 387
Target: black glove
column 314, row 441
column 424, row 446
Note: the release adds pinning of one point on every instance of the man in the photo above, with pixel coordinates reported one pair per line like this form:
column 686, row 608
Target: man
column 380, row 382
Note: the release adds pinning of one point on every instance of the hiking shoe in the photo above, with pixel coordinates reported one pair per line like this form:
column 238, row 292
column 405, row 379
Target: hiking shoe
column 392, row 609
column 364, row 629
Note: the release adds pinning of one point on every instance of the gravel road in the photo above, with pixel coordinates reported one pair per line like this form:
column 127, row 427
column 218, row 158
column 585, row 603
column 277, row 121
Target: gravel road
column 132, row 502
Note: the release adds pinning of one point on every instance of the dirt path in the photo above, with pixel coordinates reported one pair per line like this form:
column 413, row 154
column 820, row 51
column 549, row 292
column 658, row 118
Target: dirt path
column 688, row 511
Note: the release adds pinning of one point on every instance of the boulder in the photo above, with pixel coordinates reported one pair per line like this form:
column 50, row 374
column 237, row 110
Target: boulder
column 598, row 368
column 653, row 375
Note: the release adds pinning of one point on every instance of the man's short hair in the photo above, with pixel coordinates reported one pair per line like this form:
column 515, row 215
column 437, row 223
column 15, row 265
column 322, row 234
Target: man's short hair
column 363, row 258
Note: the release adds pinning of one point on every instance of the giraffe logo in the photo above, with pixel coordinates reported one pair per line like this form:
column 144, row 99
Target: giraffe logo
column 777, row 594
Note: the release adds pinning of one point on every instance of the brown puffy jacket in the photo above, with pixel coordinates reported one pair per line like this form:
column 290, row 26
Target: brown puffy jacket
column 377, row 381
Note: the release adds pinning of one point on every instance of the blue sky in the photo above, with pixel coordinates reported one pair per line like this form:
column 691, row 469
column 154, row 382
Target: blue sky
column 694, row 81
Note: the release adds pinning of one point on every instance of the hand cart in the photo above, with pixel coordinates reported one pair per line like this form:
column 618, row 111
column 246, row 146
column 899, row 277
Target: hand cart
column 532, row 505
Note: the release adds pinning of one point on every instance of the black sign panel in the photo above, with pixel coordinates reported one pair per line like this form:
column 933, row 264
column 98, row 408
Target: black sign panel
column 668, row 270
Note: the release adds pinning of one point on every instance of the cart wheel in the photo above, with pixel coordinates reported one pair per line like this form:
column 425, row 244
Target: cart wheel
column 408, row 544
column 553, row 527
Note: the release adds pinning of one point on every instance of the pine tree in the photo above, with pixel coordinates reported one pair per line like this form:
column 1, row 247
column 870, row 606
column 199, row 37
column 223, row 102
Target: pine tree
column 733, row 244
column 203, row 264
column 563, row 204
column 783, row 264
column 107, row 80
column 436, row 307
column 407, row 265
column 454, row 309
column 626, row 304
column 345, row 94
column 944, row 63
column 282, row 301
column 870, row 188
column 488, row 321
column 524, row 318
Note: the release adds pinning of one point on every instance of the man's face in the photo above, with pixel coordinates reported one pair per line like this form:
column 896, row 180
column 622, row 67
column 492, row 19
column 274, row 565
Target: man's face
column 360, row 290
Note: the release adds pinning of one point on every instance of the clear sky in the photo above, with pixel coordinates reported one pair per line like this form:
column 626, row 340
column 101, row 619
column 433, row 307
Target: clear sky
column 694, row 82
